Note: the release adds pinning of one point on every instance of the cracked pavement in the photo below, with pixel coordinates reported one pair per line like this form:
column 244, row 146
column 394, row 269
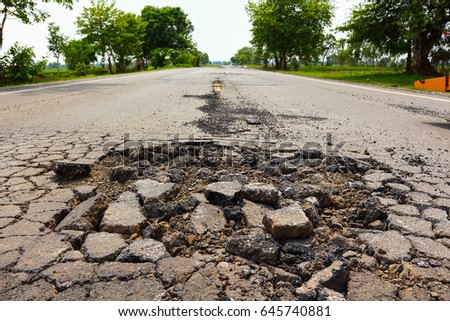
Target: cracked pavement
column 405, row 256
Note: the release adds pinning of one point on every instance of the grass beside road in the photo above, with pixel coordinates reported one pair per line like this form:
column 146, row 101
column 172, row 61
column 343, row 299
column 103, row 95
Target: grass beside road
column 382, row 76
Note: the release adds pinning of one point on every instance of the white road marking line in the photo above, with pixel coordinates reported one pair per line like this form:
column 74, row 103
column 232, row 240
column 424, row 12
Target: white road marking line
column 368, row 88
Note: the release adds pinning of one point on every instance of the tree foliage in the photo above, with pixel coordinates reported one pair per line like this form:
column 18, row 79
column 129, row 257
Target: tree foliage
column 288, row 28
column 128, row 40
column 26, row 11
column 167, row 27
column 406, row 27
column 96, row 23
column 56, row 41
column 79, row 52
column 18, row 64
column 245, row 56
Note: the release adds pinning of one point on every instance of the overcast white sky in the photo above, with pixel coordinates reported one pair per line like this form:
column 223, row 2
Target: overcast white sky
column 221, row 26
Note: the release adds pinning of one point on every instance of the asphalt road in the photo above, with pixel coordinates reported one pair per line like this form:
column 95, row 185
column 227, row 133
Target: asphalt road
column 389, row 124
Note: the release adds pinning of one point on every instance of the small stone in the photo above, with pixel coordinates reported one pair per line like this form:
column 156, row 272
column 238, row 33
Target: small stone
column 370, row 211
column 147, row 250
column 124, row 216
column 365, row 286
column 165, row 211
column 207, row 217
column 224, row 193
column 254, row 214
column 262, row 193
column 86, row 216
column 338, row 202
column 66, row 170
column 288, row 222
column 151, row 191
column 310, row 207
column 406, row 210
column 84, row 192
column 411, row 226
column 333, row 277
column 377, row 225
column 258, row 248
column 122, row 174
column 174, row 241
column 368, row 262
column 101, row 247
column 349, row 254
column 388, row 247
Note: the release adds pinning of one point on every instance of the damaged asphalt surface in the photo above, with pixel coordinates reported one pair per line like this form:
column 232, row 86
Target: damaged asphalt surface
column 270, row 187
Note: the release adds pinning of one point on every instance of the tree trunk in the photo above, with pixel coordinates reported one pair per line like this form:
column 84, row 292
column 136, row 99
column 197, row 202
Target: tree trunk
column 283, row 60
column 277, row 63
column 110, row 65
column 422, row 48
column 409, row 58
column 2, row 26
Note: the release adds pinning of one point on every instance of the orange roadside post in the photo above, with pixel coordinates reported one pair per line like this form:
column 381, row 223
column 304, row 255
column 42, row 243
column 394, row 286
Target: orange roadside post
column 439, row 84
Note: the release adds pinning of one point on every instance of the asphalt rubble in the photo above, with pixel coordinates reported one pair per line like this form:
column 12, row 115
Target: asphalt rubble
column 206, row 220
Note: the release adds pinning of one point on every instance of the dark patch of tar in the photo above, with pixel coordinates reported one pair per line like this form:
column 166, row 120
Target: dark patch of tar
column 224, row 118
column 419, row 110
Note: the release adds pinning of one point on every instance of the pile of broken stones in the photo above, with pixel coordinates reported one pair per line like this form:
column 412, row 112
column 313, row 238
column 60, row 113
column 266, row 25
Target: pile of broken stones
column 206, row 221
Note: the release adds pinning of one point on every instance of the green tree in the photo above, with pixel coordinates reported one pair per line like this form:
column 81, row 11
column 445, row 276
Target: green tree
column 26, row 11
column 128, row 38
column 244, row 56
column 166, row 28
column 411, row 27
column 56, row 41
column 18, row 64
column 96, row 23
column 288, row 28
column 204, row 59
column 79, row 52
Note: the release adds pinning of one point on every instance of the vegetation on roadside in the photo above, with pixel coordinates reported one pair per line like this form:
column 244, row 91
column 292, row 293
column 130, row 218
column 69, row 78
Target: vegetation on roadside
column 382, row 76
column 388, row 43
column 112, row 41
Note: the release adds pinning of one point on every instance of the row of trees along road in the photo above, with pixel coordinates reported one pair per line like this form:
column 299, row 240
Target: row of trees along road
column 294, row 30
column 157, row 37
